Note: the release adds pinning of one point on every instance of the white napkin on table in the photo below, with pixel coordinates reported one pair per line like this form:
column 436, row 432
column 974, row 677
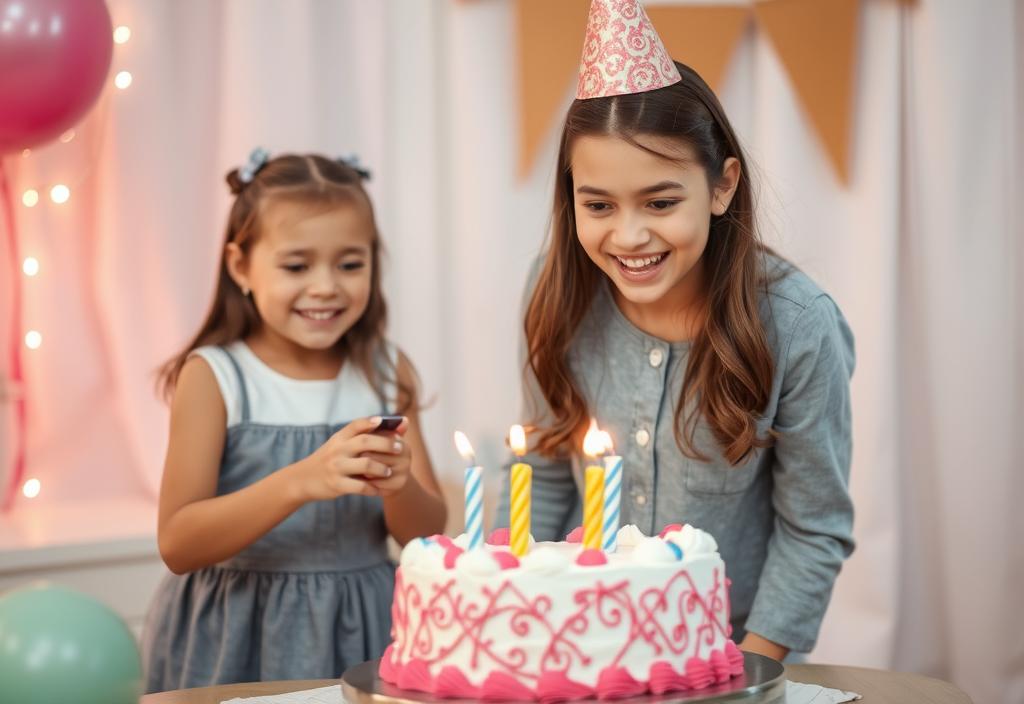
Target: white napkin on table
column 320, row 695
column 799, row 693
column 796, row 693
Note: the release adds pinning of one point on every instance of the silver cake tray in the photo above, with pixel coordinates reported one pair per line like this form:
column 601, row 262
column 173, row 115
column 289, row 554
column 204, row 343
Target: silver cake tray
column 763, row 681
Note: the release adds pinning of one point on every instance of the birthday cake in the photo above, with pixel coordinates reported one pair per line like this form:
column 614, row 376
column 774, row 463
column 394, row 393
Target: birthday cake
column 561, row 622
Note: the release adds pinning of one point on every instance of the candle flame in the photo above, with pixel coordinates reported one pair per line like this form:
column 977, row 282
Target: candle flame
column 606, row 440
column 517, row 440
column 593, row 442
column 463, row 446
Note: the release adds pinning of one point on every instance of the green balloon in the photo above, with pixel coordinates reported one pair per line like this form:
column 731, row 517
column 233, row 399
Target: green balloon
column 60, row 646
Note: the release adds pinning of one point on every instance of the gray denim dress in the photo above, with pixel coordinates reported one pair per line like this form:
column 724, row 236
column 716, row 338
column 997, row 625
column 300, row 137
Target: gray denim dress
column 306, row 601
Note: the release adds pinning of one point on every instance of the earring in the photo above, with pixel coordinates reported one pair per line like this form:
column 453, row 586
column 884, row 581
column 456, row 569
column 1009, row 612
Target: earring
column 245, row 291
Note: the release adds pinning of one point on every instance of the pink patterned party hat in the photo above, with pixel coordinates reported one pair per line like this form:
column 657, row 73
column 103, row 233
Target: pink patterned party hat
column 622, row 53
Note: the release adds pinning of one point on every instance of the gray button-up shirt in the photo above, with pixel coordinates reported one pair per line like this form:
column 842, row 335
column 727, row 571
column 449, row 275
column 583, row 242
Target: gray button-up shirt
column 783, row 517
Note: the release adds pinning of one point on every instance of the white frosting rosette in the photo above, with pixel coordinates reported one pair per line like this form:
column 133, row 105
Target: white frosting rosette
column 629, row 536
column 479, row 563
column 655, row 550
column 693, row 541
column 423, row 553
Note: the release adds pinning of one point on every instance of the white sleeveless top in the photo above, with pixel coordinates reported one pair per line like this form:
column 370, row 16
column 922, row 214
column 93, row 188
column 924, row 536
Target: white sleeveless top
column 276, row 399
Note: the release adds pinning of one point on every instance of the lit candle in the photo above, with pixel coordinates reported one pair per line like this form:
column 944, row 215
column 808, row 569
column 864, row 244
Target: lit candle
column 522, row 479
column 473, row 491
column 593, row 499
column 612, row 493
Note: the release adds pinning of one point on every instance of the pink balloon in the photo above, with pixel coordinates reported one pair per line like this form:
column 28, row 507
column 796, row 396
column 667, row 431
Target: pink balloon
column 54, row 59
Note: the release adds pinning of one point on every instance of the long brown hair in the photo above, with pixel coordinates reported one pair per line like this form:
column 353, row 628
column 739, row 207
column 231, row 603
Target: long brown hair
column 322, row 183
column 729, row 372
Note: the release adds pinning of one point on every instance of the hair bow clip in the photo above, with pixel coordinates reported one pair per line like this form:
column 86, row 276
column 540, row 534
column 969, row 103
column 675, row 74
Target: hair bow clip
column 352, row 162
column 257, row 160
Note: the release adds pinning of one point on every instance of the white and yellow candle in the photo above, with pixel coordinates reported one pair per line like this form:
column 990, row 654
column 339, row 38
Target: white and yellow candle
column 521, row 487
column 473, row 492
column 593, row 499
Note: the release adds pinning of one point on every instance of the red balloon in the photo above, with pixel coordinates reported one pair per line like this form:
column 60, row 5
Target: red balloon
column 54, row 59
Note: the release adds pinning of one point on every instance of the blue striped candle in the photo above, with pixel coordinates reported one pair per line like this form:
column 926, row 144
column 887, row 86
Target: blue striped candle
column 475, row 506
column 473, row 487
column 612, row 497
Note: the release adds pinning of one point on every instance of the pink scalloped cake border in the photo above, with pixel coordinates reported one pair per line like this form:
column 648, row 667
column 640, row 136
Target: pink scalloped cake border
column 554, row 686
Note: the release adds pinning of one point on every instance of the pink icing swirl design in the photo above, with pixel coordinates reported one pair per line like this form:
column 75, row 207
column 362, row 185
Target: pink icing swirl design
column 575, row 535
column 665, row 624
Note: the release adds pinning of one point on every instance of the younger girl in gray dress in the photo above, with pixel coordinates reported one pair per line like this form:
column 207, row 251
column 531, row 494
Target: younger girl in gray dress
column 278, row 495
column 721, row 371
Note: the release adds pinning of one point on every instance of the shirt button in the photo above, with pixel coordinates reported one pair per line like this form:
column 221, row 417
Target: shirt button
column 642, row 437
column 656, row 357
column 641, row 500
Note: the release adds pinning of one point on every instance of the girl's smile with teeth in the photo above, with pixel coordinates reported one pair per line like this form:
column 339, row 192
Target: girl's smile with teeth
column 640, row 262
column 319, row 314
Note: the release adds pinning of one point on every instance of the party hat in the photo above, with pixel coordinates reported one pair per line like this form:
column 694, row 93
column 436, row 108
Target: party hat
column 622, row 53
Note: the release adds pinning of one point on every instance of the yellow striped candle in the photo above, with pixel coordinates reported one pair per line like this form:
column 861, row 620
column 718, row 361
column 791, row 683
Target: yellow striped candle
column 593, row 507
column 593, row 499
column 521, row 486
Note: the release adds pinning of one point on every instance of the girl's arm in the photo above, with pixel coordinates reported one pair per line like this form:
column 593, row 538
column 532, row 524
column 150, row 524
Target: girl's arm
column 197, row 528
column 754, row 643
column 413, row 503
column 813, row 530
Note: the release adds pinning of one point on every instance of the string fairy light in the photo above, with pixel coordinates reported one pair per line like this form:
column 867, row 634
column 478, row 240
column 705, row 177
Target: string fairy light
column 12, row 387
column 30, row 489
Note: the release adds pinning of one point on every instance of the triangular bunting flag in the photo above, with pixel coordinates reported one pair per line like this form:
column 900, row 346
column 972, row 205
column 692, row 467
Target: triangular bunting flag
column 549, row 39
column 816, row 40
column 704, row 37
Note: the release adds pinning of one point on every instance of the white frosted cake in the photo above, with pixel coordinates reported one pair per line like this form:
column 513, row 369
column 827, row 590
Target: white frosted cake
column 561, row 623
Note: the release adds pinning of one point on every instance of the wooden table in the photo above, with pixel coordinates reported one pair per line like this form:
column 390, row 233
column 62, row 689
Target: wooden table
column 877, row 687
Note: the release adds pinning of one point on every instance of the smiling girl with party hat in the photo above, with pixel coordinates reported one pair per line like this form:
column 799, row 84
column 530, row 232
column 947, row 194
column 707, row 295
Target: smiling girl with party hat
column 722, row 370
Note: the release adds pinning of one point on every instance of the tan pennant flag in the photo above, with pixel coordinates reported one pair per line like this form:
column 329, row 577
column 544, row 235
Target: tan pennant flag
column 816, row 40
column 704, row 37
column 549, row 39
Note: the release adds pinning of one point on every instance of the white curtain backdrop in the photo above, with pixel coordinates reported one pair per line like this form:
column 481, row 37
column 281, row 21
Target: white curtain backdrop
column 922, row 250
